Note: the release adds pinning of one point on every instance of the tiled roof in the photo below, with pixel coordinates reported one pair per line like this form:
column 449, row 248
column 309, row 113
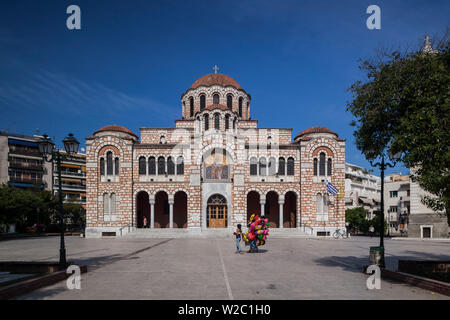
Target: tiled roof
column 115, row 128
column 216, row 78
column 315, row 130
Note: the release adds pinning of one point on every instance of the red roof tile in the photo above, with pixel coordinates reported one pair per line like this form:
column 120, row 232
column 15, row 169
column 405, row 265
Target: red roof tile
column 115, row 128
column 216, row 78
column 315, row 130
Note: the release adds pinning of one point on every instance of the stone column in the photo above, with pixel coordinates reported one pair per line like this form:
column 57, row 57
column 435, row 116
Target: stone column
column 281, row 203
column 262, row 201
column 152, row 211
column 171, row 202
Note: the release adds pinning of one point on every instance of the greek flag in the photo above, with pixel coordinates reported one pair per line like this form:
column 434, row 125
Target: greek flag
column 331, row 189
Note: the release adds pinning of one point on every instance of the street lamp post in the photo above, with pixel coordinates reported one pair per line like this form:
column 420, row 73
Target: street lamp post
column 50, row 153
column 383, row 165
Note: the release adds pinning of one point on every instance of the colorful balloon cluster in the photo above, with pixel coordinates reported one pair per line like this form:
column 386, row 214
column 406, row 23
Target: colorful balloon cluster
column 256, row 235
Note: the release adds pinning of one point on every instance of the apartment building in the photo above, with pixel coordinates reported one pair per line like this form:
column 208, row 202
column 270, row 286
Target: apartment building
column 397, row 202
column 424, row 222
column 73, row 178
column 362, row 189
column 21, row 164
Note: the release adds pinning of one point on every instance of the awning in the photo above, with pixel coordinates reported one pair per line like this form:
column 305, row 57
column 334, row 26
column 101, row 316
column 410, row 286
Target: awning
column 23, row 143
column 70, row 166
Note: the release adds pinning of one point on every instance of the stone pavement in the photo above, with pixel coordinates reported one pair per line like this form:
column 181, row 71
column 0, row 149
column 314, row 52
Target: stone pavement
column 285, row 268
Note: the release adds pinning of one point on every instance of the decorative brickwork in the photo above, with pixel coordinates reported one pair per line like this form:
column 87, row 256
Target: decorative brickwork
column 213, row 152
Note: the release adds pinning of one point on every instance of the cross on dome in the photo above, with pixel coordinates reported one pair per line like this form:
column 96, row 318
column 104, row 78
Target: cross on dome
column 215, row 68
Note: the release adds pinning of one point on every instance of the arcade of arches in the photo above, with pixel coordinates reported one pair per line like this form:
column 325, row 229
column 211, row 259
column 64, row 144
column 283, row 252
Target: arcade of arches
column 161, row 211
column 280, row 210
column 173, row 214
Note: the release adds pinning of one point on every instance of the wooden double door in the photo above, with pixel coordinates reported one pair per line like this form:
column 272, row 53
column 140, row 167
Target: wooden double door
column 217, row 212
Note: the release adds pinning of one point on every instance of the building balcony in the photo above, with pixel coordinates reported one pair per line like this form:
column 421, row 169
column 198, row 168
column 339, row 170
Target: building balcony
column 71, row 186
column 31, row 153
column 27, row 181
column 72, row 174
column 24, row 165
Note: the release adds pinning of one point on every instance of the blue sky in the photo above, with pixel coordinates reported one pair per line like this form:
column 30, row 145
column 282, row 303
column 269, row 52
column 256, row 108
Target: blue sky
column 132, row 60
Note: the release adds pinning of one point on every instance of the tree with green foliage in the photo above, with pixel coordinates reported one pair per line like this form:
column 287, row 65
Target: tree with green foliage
column 356, row 217
column 74, row 214
column 24, row 207
column 404, row 106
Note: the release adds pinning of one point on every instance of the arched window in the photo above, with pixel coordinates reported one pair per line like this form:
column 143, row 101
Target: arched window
column 325, row 207
column 216, row 121
column 230, row 101
column 240, row 107
column 116, row 166
column 281, row 166
column 322, row 164
column 151, row 165
column 216, row 98
column 234, row 123
column 109, row 163
column 202, row 102
column 315, row 166
column 319, row 206
column 105, row 204
column 191, row 106
column 329, row 173
column 112, row 204
column 227, row 122
column 290, row 166
column 272, row 166
column 253, row 166
column 170, row 166
column 161, row 165
column 142, row 165
column 102, row 166
column 206, row 122
column 180, row 166
column 262, row 166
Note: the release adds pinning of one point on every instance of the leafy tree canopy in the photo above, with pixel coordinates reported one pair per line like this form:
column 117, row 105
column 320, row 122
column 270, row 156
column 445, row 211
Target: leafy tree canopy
column 404, row 106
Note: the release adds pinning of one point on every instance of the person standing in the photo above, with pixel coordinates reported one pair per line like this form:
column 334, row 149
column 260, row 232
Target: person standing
column 371, row 230
column 145, row 222
column 238, row 234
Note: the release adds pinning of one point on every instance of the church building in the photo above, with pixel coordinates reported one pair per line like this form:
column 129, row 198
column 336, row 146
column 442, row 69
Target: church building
column 213, row 170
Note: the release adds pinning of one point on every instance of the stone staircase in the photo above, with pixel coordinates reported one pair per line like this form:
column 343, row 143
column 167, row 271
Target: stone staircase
column 210, row 233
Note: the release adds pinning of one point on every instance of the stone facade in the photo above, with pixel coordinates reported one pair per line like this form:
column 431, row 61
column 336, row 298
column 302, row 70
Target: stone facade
column 214, row 169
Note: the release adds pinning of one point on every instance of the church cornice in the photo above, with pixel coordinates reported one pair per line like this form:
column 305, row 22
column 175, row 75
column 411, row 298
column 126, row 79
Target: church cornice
column 213, row 85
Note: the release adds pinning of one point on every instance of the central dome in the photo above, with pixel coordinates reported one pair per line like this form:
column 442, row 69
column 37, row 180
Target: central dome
column 216, row 78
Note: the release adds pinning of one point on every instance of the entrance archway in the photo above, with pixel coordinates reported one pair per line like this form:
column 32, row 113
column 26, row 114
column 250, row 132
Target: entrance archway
column 253, row 204
column 217, row 212
column 161, row 210
column 142, row 209
column 272, row 209
column 180, row 210
column 290, row 210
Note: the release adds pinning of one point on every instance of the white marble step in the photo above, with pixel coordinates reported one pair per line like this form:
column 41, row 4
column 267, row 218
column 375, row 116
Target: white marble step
column 210, row 233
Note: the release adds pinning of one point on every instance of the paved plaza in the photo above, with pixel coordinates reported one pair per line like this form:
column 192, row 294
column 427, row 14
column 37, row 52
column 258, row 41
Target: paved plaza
column 208, row 268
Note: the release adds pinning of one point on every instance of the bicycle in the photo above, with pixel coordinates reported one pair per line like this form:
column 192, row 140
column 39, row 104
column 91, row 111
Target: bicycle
column 340, row 233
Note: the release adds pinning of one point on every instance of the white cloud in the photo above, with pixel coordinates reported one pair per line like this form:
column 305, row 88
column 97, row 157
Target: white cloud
column 58, row 92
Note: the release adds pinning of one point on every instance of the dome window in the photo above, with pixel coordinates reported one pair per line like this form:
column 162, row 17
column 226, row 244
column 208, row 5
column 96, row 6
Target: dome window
column 230, row 101
column 216, row 99
column 202, row 102
column 240, row 107
column 191, row 107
